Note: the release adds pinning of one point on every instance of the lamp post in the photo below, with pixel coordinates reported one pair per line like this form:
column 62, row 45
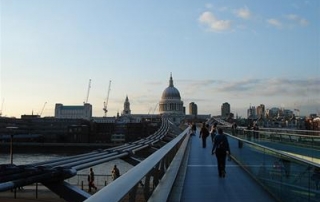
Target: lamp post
column 11, row 129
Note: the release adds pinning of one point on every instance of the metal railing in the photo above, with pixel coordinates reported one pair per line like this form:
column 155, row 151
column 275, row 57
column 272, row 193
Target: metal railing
column 286, row 177
column 153, row 170
column 81, row 180
column 278, row 138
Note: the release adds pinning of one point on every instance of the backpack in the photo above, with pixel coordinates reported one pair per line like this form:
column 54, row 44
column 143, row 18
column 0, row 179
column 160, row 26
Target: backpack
column 223, row 144
column 205, row 132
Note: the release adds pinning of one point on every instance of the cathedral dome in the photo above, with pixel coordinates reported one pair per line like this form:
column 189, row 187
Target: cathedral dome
column 171, row 105
column 170, row 92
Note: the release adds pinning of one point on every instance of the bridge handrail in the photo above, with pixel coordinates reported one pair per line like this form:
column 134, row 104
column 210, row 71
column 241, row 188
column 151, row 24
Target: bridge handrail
column 163, row 190
column 277, row 171
column 286, row 132
column 131, row 179
column 311, row 141
column 315, row 132
column 295, row 131
column 273, row 150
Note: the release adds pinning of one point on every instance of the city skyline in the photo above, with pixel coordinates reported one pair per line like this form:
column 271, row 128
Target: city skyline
column 245, row 53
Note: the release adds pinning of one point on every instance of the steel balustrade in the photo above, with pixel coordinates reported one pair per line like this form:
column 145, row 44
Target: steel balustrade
column 154, row 168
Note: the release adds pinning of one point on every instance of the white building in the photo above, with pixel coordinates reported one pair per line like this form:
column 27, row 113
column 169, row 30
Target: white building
column 73, row 111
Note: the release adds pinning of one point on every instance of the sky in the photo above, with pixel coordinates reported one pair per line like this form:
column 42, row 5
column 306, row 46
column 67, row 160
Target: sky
column 243, row 52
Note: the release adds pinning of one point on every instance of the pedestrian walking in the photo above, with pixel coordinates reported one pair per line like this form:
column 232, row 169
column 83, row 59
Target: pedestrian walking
column 213, row 131
column 234, row 129
column 91, row 180
column 194, row 128
column 204, row 133
column 221, row 149
column 255, row 131
column 115, row 172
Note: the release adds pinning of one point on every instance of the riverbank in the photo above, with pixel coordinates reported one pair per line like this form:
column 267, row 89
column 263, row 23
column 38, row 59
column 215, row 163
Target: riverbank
column 29, row 194
column 74, row 148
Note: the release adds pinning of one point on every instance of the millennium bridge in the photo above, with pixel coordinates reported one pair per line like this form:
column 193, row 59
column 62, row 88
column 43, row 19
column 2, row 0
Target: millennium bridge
column 265, row 165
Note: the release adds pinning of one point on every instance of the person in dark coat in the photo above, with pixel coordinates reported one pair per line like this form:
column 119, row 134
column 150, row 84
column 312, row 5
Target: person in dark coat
column 194, row 129
column 91, row 180
column 221, row 149
column 204, row 133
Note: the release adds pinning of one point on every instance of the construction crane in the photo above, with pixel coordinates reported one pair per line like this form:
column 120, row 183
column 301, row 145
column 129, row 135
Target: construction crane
column 155, row 107
column 43, row 108
column 87, row 98
column 105, row 103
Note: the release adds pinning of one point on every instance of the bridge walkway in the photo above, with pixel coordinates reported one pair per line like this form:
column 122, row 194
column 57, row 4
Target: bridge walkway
column 202, row 182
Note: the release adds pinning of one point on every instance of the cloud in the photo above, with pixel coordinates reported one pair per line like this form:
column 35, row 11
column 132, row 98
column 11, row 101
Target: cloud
column 274, row 22
column 272, row 92
column 191, row 87
column 238, row 86
column 289, row 21
column 208, row 19
column 297, row 19
column 243, row 13
column 273, row 87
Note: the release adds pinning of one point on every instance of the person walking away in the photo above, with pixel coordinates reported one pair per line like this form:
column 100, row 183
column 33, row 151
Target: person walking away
column 221, row 149
column 194, row 128
column 213, row 131
column 234, row 129
column 204, row 133
column 115, row 172
column 191, row 130
column 255, row 129
column 91, row 180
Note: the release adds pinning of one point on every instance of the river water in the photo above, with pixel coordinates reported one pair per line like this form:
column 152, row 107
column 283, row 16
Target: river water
column 102, row 171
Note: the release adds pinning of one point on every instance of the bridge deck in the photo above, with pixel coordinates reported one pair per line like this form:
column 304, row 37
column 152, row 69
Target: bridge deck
column 202, row 182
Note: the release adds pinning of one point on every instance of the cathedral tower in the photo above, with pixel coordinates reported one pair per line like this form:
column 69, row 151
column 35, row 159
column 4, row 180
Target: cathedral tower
column 126, row 107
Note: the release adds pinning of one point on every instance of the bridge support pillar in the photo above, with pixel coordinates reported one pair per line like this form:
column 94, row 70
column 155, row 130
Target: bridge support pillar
column 133, row 194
